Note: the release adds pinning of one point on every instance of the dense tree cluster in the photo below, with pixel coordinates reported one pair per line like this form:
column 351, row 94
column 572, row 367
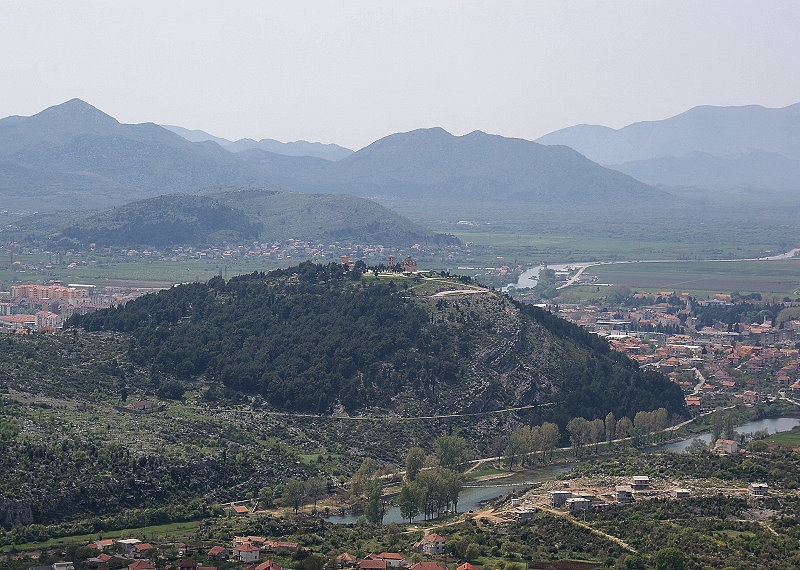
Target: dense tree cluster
column 530, row 444
column 742, row 312
column 434, row 490
column 312, row 337
column 302, row 340
column 164, row 221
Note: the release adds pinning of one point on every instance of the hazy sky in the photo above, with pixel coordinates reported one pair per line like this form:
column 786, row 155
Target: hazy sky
column 352, row 72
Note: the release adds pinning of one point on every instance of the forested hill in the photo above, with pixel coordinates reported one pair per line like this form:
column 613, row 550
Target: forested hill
column 321, row 339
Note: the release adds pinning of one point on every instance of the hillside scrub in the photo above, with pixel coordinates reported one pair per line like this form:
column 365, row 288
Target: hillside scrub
column 315, row 338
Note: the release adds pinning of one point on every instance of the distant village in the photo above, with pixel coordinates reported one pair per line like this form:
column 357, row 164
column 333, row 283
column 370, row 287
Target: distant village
column 301, row 250
column 715, row 365
column 427, row 552
column 33, row 307
column 247, row 553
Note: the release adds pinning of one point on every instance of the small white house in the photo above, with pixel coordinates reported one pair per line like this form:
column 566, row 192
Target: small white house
column 246, row 553
column 432, row 544
column 640, row 482
column 624, row 494
column 127, row 545
column 522, row 514
column 758, row 489
column 559, row 498
column 578, row 504
column 726, row 446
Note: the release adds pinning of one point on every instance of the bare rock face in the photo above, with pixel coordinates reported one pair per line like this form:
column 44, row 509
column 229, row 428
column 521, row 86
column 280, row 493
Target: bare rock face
column 15, row 512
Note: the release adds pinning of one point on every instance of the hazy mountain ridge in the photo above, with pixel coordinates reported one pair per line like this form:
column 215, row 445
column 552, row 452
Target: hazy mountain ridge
column 432, row 164
column 329, row 218
column 710, row 147
column 325, row 151
column 757, row 169
column 74, row 150
column 87, row 156
column 719, row 131
column 164, row 221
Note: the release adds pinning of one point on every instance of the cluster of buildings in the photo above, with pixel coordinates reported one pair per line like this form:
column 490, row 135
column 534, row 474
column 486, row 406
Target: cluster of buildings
column 127, row 552
column 288, row 249
column 714, row 365
column 34, row 307
column 250, row 552
column 566, row 500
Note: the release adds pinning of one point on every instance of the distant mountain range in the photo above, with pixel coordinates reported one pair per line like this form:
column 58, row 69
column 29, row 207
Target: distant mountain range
column 706, row 147
column 75, row 156
column 296, row 148
column 462, row 175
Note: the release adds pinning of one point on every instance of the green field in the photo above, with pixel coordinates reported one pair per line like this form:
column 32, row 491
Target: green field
column 786, row 437
column 765, row 277
column 149, row 532
column 561, row 248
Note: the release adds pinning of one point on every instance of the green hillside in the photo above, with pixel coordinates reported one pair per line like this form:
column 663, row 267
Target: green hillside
column 318, row 339
column 246, row 373
column 163, row 221
column 228, row 217
column 328, row 218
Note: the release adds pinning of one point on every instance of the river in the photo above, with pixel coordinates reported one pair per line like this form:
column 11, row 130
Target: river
column 772, row 425
column 474, row 496
column 530, row 277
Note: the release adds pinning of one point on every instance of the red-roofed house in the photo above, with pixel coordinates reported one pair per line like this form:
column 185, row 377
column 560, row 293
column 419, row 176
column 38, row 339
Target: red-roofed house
column 750, row 397
column 466, row 566
column 372, row 564
column 267, row 565
column 257, row 540
column 281, row 546
column 726, row 446
column 346, row 560
column 246, row 553
column 393, row 559
column 431, row 544
column 101, row 560
column 218, row 552
column 101, row 544
column 141, row 565
column 140, row 549
column 187, row 565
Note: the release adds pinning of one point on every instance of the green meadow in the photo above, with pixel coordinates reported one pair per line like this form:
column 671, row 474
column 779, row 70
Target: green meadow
column 778, row 278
